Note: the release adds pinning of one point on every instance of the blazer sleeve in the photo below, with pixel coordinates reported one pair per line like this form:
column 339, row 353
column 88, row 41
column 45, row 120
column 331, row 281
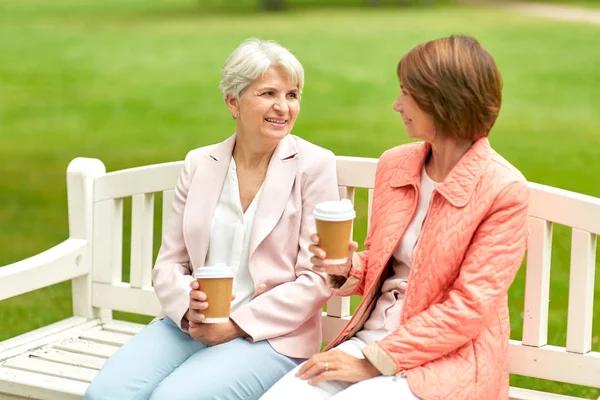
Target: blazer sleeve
column 288, row 306
column 172, row 274
column 489, row 267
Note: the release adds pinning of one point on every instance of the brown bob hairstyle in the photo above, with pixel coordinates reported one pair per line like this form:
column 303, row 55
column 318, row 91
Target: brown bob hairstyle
column 457, row 81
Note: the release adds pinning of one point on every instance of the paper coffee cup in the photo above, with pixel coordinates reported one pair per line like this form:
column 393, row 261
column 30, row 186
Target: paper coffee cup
column 217, row 282
column 334, row 227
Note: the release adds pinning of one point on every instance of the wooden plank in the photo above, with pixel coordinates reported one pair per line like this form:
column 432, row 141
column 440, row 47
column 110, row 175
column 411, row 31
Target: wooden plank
column 66, row 329
column 41, row 333
column 526, row 394
column 167, row 208
column 120, row 296
column 108, row 243
column 564, row 207
column 555, row 364
column 332, row 326
column 49, row 368
column 581, row 292
column 68, row 358
column 4, row 396
column 57, row 264
column 129, row 328
column 81, row 173
column 105, row 337
column 142, row 228
column 537, row 283
column 35, row 386
column 356, row 171
column 338, row 307
column 129, row 182
column 89, row 348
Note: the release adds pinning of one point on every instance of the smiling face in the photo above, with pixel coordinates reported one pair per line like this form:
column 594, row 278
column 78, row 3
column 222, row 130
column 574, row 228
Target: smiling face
column 419, row 124
column 268, row 107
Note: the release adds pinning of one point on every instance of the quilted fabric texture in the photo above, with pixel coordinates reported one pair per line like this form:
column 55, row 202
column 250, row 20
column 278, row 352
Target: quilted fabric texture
column 453, row 339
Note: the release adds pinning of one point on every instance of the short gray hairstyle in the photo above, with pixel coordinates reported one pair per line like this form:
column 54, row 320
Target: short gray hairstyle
column 251, row 59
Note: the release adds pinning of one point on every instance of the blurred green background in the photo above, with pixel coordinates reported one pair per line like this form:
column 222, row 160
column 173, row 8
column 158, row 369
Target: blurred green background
column 135, row 82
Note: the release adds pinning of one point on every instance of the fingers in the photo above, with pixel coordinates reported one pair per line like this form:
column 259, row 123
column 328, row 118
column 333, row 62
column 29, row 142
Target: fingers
column 352, row 247
column 326, row 376
column 319, row 262
column 315, row 370
column 314, row 238
column 195, row 316
column 351, row 250
column 198, row 305
column 197, row 295
column 317, row 251
column 195, row 285
column 304, row 367
column 233, row 296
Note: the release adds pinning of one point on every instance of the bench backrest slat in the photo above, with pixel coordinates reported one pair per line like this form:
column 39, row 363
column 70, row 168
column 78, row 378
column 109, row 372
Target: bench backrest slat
column 581, row 292
column 142, row 228
column 107, row 258
column 537, row 287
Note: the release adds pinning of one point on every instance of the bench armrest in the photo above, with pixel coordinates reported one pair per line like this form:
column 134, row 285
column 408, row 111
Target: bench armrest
column 57, row 264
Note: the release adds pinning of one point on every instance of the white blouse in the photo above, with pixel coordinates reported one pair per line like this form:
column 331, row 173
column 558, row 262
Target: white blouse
column 230, row 233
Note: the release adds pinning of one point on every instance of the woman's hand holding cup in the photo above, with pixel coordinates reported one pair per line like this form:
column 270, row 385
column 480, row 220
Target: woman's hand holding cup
column 197, row 304
column 319, row 258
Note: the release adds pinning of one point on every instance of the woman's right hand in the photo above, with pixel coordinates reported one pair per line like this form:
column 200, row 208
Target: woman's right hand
column 197, row 305
column 319, row 259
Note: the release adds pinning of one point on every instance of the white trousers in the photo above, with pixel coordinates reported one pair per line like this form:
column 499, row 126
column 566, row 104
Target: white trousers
column 293, row 388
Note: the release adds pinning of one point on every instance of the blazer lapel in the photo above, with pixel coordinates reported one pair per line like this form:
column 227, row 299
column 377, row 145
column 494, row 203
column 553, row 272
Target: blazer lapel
column 276, row 191
column 203, row 196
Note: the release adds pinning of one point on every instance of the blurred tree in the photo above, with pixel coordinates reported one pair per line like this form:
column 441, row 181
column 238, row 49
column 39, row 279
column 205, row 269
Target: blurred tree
column 272, row 5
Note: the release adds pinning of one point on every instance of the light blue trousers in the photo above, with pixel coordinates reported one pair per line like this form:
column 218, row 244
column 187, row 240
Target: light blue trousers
column 163, row 363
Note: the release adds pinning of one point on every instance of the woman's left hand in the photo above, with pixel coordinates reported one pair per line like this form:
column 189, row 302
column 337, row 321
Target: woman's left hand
column 336, row 365
column 214, row 334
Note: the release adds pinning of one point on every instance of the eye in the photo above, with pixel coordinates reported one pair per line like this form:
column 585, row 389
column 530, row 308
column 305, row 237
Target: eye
column 293, row 95
column 268, row 93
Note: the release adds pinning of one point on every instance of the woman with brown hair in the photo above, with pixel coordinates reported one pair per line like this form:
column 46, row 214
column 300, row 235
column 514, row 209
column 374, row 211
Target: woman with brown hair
column 447, row 237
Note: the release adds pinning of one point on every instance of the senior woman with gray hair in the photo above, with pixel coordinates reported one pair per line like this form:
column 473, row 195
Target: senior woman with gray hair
column 246, row 202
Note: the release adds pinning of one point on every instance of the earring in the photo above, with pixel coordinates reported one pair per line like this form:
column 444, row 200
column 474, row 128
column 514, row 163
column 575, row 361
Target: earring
column 235, row 115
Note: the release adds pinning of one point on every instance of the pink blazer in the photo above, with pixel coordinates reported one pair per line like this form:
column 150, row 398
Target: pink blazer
column 286, row 306
column 452, row 343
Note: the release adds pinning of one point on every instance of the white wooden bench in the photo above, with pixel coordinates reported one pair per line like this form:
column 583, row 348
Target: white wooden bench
column 59, row 360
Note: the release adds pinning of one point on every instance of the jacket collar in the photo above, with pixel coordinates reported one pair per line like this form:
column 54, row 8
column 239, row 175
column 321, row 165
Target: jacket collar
column 462, row 180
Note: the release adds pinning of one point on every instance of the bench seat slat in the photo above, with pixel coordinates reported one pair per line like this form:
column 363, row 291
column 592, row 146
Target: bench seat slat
column 44, row 367
column 105, row 337
column 69, row 358
column 31, row 385
column 88, row 348
column 129, row 328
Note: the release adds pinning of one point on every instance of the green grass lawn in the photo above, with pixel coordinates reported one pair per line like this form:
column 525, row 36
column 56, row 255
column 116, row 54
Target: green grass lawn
column 136, row 82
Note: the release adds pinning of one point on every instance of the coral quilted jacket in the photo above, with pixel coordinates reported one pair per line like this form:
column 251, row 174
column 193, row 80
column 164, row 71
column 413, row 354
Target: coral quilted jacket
column 453, row 339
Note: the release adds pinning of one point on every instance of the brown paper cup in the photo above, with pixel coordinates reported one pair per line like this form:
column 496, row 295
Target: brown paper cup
column 217, row 283
column 334, row 227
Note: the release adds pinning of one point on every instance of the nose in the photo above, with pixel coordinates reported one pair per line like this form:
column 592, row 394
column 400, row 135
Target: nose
column 397, row 105
column 281, row 105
